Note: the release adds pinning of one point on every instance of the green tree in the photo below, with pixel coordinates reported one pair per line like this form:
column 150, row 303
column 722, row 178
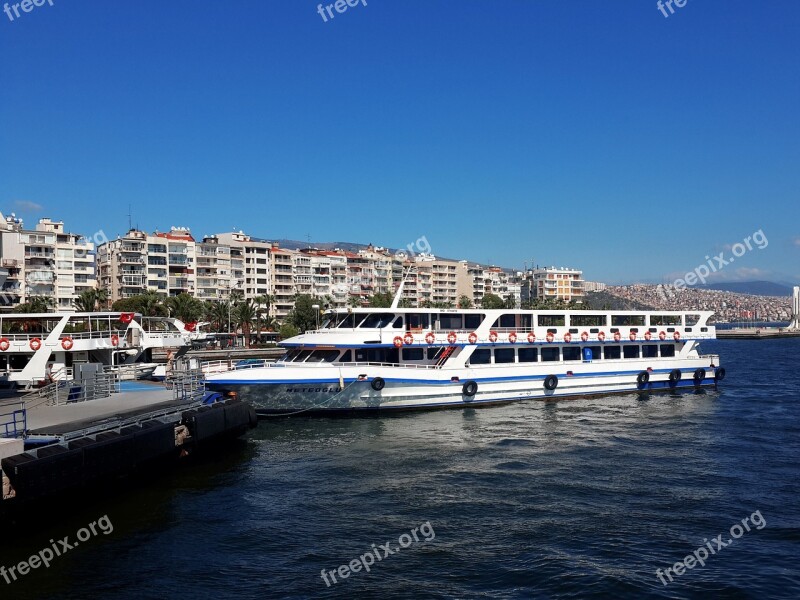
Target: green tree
column 185, row 307
column 381, row 300
column 288, row 330
column 303, row 316
column 492, row 301
column 465, row 302
column 245, row 314
column 355, row 302
column 86, row 301
column 36, row 304
column 510, row 301
column 216, row 312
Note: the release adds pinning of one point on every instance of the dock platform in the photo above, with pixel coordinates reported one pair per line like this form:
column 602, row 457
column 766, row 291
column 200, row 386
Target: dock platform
column 757, row 333
column 61, row 441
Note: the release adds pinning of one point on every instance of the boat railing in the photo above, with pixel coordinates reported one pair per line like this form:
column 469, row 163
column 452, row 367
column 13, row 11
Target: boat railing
column 222, row 366
column 13, row 419
column 24, row 337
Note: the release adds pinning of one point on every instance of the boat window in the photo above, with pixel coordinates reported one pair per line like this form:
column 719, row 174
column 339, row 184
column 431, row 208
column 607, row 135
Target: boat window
column 472, row 321
column 377, row 320
column 627, row 320
column 347, row 356
column 611, row 352
column 588, row 320
column 302, row 356
column 508, row 320
column 418, row 321
column 692, row 320
column 665, row 320
column 528, row 354
column 649, row 351
column 549, row 354
column 481, row 356
column 348, row 321
column 435, row 352
column 290, row 355
column 323, row 356
column 667, row 350
column 378, row 355
column 504, row 355
column 551, row 320
column 572, row 353
column 413, row 354
column 450, row 321
column 398, row 323
column 630, row 351
column 597, row 352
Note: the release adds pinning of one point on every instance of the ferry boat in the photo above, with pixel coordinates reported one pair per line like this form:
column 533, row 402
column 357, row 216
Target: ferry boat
column 408, row 358
column 38, row 348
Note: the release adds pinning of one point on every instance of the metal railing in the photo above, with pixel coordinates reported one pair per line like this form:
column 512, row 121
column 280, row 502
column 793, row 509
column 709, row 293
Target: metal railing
column 13, row 419
column 58, row 393
column 185, row 383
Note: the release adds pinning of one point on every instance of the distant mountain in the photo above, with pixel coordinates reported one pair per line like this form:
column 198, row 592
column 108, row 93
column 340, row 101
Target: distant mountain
column 754, row 288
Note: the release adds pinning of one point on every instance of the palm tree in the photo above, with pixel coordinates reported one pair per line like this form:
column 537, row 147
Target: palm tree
column 37, row 304
column 86, row 301
column 151, row 304
column 217, row 312
column 185, row 307
column 245, row 314
column 101, row 297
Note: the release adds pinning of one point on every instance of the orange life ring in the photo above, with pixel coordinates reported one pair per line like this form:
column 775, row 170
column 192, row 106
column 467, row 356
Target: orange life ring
column 115, row 340
column 35, row 344
column 451, row 337
column 473, row 337
column 584, row 336
column 676, row 336
column 66, row 343
column 568, row 337
column 430, row 337
column 398, row 341
column 408, row 339
column 662, row 336
column 4, row 344
column 632, row 336
column 601, row 336
column 617, row 336
column 550, row 336
column 531, row 337
column 647, row 335
column 512, row 337
column 493, row 336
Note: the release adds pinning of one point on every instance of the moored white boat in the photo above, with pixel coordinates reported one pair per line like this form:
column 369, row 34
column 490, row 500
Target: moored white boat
column 400, row 359
column 38, row 348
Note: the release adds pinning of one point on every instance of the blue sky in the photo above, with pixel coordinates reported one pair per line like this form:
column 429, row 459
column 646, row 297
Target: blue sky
column 598, row 135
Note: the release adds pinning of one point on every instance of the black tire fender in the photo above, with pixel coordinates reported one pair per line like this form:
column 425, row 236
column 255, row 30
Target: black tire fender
column 551, row 382
column 699, row 376
column 470, row 388
column 378, row 383
column 643, row 378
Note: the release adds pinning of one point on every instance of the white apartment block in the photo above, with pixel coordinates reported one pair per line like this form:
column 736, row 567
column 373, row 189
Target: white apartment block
column 46, row 261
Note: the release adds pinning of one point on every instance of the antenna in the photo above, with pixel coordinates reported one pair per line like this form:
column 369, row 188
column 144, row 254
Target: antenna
column 130, row 219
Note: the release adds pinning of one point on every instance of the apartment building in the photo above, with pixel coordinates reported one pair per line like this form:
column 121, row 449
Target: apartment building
column 46, row 261
column 551, row 283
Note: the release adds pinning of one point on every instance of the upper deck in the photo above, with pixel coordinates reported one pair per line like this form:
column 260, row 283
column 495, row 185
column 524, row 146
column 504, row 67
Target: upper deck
column 383, row 326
